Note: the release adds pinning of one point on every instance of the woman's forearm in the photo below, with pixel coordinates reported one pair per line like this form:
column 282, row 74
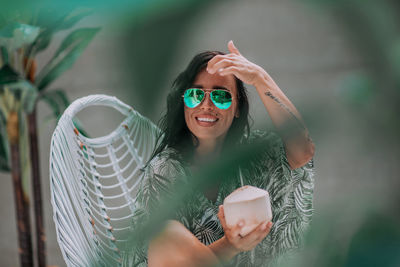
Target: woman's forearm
column 287, row 120
column 223, row 249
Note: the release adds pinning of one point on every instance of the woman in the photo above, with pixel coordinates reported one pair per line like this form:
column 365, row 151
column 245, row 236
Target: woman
column 207, row 112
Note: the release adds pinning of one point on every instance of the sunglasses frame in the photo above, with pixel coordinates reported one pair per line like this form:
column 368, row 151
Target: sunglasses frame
column 209, row 91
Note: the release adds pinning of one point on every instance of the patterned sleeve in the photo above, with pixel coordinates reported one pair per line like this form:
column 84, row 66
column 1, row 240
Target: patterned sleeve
column 160, row 174
column 291, row 194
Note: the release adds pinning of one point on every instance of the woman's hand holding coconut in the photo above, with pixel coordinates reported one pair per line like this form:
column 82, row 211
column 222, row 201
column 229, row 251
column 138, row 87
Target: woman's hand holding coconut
column 246, row 221
column 247, row 242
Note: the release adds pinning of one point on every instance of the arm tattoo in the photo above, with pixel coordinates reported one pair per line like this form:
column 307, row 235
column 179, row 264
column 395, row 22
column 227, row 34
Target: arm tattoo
column 293, row 125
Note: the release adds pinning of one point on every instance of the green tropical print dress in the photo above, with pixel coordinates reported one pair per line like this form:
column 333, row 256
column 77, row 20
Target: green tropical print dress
column 291, row 195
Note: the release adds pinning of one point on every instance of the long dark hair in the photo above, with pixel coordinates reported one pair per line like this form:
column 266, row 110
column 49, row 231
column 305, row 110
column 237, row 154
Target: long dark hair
column 175, row 132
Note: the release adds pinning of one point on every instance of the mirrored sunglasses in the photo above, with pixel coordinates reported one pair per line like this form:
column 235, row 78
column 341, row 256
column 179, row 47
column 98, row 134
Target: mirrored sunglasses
column 221, row 98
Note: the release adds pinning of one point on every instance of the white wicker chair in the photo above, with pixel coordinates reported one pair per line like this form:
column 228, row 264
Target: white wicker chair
column 94, row 182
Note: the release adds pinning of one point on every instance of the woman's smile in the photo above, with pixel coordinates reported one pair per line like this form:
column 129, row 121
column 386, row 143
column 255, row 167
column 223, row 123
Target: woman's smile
column 206, row 120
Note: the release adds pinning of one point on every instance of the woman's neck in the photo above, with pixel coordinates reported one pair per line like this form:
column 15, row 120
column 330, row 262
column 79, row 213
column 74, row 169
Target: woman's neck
column 207, row 150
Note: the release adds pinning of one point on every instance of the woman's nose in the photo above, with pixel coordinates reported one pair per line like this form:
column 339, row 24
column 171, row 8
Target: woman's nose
column 207, row 103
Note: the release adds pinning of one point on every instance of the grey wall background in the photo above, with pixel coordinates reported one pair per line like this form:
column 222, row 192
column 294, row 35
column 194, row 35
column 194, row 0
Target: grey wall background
column 302, row 48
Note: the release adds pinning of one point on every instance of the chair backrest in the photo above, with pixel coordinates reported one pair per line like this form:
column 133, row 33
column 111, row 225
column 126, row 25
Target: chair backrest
column 94, row 182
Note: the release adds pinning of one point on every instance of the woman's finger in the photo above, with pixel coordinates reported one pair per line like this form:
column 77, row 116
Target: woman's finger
column 259, row 233
column 221, row 64
column 265, row 232
column 238, row 72
column 232, row 48
column 242, row 73
column 221, row 217
column 254, row 234
column 218, row 58
column 215, row 59
column 235, row 231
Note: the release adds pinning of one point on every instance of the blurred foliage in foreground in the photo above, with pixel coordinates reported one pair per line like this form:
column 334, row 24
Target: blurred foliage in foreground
column 367, row 235
column 362, row 230
column 373, row 29
column 371, row 236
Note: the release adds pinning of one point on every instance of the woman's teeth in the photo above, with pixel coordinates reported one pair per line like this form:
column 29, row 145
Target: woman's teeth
column 206, row 119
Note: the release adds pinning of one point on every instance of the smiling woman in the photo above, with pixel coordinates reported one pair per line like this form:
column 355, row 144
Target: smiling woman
column 198, row 129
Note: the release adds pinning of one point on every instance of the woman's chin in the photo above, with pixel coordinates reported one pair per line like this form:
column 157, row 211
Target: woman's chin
column 209, row 135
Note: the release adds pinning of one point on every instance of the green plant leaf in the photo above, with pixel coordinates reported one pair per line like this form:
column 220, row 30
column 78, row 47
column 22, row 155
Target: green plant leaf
column 24, row 155
column 4, row 55
column 77, row 38
column 63, row 22
column 8, row 75
column 25, row 92
column 4, row 149
column 66, row 55
column 15, row 35
column 48, row 19
column 21, row 89
column 41, row 43
column 71, row 19
column 57, row 101
column 17, row 11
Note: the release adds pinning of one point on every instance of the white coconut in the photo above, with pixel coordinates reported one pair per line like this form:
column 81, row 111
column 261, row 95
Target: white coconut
column 250, row 204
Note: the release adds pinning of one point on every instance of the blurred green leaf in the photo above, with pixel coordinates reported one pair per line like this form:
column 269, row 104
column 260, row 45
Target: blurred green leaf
column 376, row 243
column 22, row 89
column 8, row 75
column 50, row 16
column 24, row 155
column 15, row 35
column 4, row 55
column 66, row 55
column 80, row 37
column 74, row 17
column 26, row 92
column 21, row 11
column 50, row 27
column 395, row 59
column 4, row 149
column 144, row 56
column 345, row 237
column 357, row 89
column 57, row 101
column 41, row 43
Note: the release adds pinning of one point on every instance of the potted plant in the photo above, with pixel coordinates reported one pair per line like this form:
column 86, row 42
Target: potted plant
column 23, row 35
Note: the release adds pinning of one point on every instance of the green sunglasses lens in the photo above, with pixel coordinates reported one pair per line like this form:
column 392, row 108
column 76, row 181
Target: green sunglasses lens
column 221, row 99
column 193, row 97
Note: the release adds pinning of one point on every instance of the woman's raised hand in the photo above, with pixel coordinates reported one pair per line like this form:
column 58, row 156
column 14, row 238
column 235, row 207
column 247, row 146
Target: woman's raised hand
column 236, row 64
column 247, row 242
